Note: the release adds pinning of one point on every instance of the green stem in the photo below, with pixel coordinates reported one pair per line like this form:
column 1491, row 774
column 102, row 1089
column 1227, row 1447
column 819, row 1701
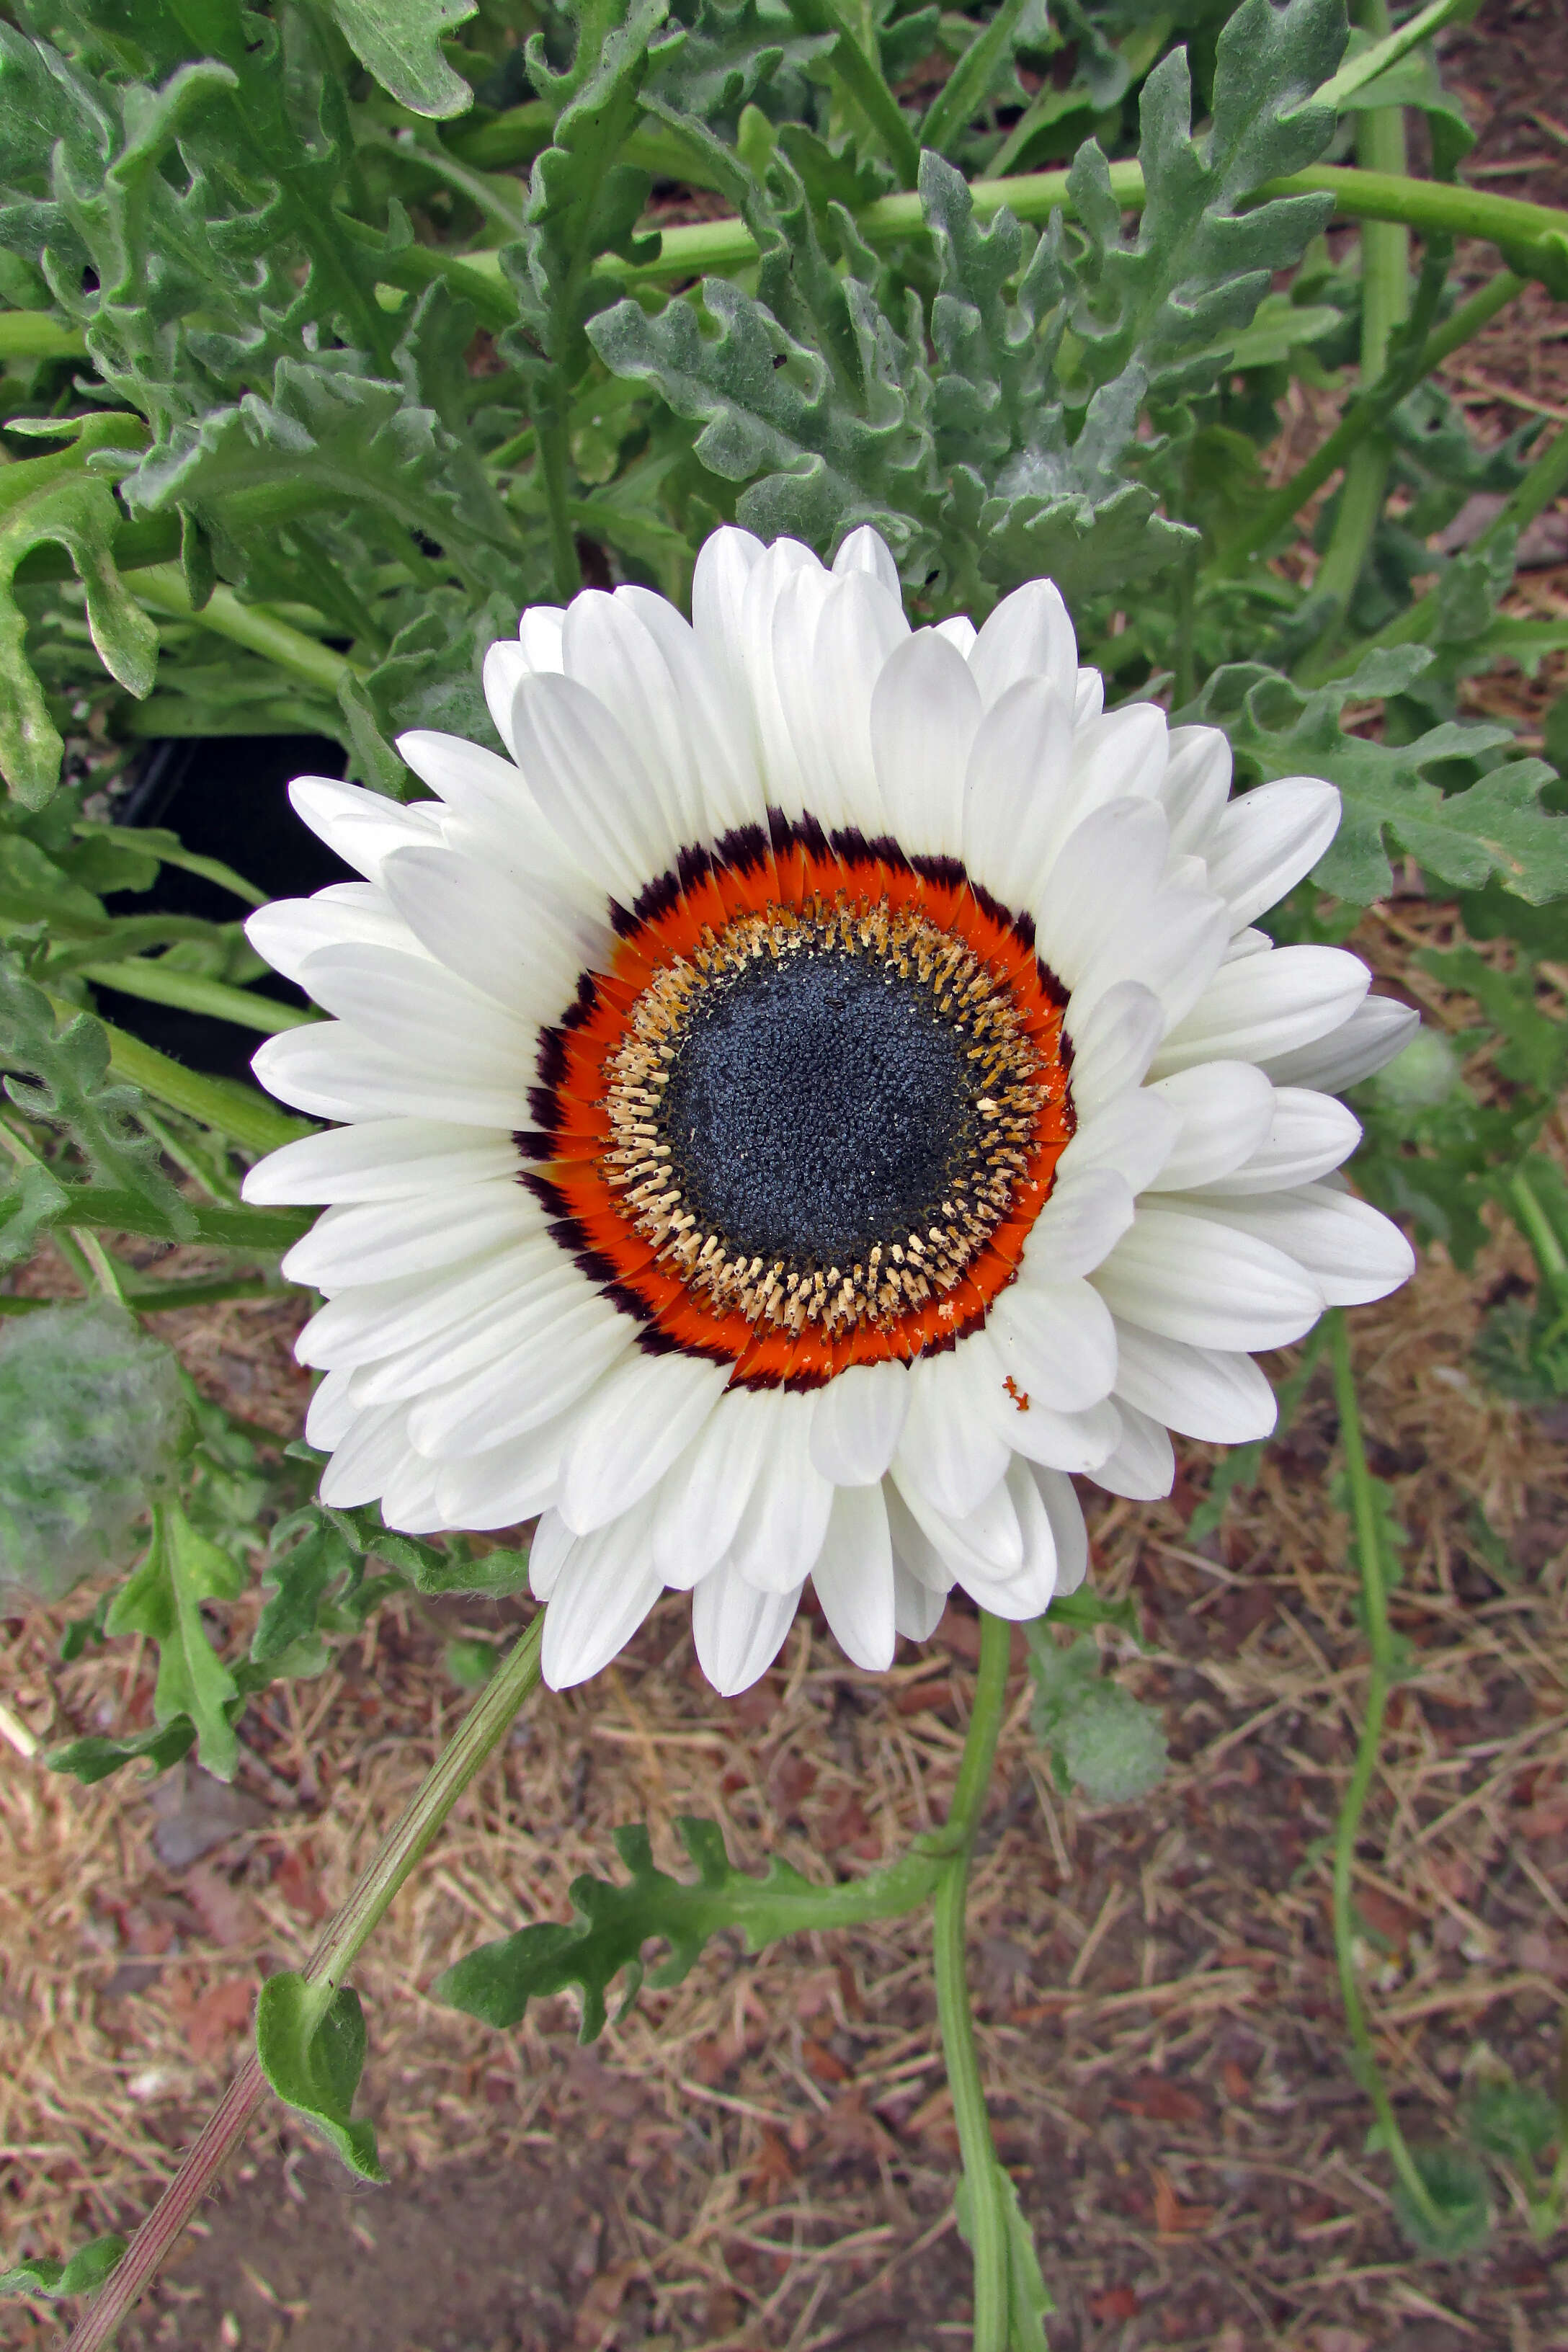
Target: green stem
column 163, row 984
column 987, row 2220
column 36, row 335
column 1363, row 418
column 105, row 1274
column 1385, row 305
column 554, row 467
column 251, row 625
column 862, row 76
column 1374, row 1603
column 165, row 1297
column 1533, row 237
column 477, row 1738
column 1387, row 51
column 1543, row 483
column 1538, row 1229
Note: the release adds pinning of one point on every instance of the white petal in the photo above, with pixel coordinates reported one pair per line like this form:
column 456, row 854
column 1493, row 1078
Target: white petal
column 865, row 551
column 1089, row 697
column 703, row 1496
column 410, row 1503
column 362, row 827
column 858, row 1420
column 982, row 1546
column 606, row 647
column 1028, row 635
column 1113, row 1042
column 603, row 1591
column 629, row 1431
column 784, row 593
column 592, row 785
column 924, row 714
column 1065, row 1514
column 1309, row 1135
column 1351, row 1250
column 1132, row 1137
column 1016, row 796
column 1108, row 868
column 1265, row 842
column 1031, row 1590
column 366, row 1459
column 331, row 1414
column 375, row 1241
column 1225, row 1108
column 913, row 1550
column 1143, row 1466
column 381, row 1159
column 374, row 1320
column 1195, row 785
column 1085, row 1215
column 715, row 726
column 784, row 1523
column 536, row 646
column 545, row 1289
column 1121, row 755
column 290, row 930
column 1267, row 1006
column 852, row 1577
column 422, row 1014
column 738, row 1630
column 553, row 1545
column 1057, row 1344
column 1057, row 1441
column 1190, row 1277
column 856, row 630
column 724, row 564
column 510, row 1483
column 1171, row 945
column 1378, row 1028
column 518, row 946
column 917, row 1610
column 329, row 1069
column 519, row 1391
column 1206, row 1392
column 959, row 633
column 950, row 1452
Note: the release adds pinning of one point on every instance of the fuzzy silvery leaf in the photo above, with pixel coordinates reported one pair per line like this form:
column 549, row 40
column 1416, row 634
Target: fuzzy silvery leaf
column 1100, row 1736
column 1200, row 264
column 732, row 55
column 1494, row 826
column 92, row 1411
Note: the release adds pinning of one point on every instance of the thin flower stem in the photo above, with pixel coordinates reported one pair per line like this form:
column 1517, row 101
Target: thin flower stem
column 1365, row 415
column 1540, row 487
column 987, row 2221
column 1388, row 51
column 105, row 1274
column 477, row 1738
column 554, row 467
column 1374, row 1581
column 251, row 625
column 1386, row 306
column 164, row 1298
column 1538, row 1231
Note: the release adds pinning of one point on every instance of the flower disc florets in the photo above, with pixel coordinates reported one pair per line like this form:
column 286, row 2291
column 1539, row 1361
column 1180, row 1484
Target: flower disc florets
column 821, row 1090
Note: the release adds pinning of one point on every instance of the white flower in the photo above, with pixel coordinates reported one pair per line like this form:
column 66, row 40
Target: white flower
column 824, row 1092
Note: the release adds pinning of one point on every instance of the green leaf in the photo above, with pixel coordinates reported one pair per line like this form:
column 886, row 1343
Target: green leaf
column 1494, row 826
column 1458, row 2217
column 497, row 1573
column 1086, row 1609
column 67, row 1085
column 1200, row 264
column 30, row 1201
column 399, row 41
column 1099, row 1735
column 1029, row 2301
column 82, row 2272
column 163, row 1599
column 52, row 500
column 312, row 2049
column 983, row 64
column 96, row 1757
column 613, row 1923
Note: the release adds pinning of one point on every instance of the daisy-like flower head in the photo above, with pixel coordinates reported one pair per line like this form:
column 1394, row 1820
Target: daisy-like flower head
column 817, row 1095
